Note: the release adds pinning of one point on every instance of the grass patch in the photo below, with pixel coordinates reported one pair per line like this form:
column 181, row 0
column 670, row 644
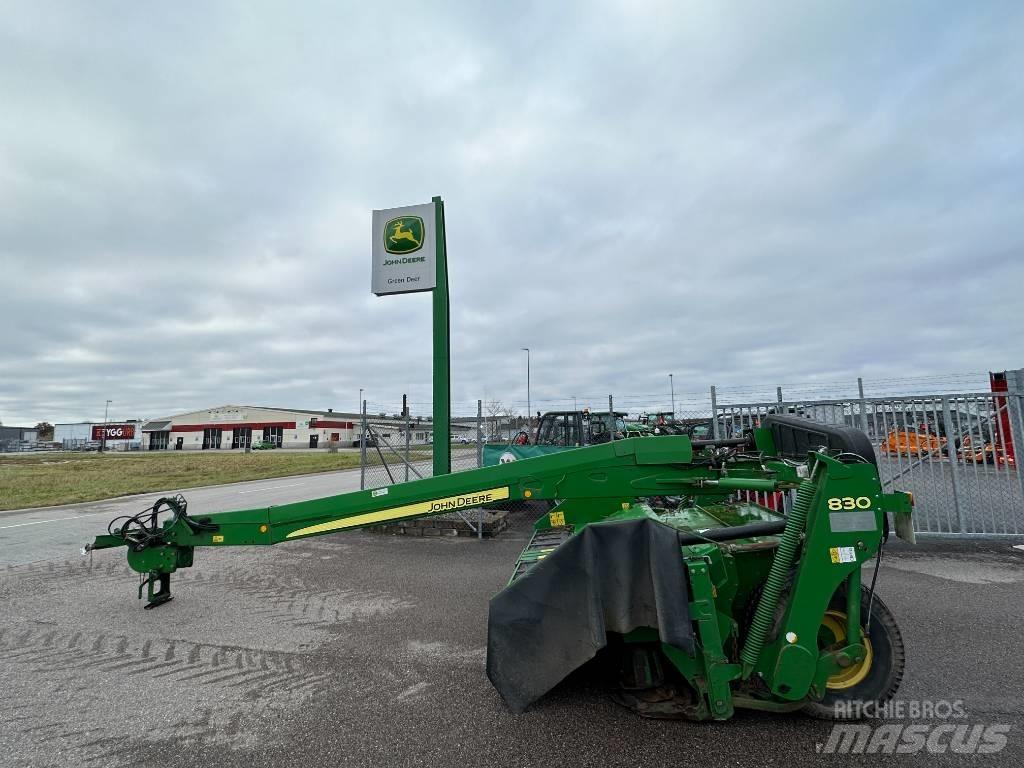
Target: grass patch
column 41, row 480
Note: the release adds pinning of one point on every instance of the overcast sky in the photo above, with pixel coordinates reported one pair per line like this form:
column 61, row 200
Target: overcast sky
column 748, row 193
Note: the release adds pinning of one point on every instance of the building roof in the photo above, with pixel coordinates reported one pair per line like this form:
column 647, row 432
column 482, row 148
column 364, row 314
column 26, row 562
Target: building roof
column 331, row 414
column 420, row 422
column 96, row 423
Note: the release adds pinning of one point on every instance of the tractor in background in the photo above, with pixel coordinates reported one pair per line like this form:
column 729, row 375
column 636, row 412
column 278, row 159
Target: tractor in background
column 662, row 423
column 562, row 430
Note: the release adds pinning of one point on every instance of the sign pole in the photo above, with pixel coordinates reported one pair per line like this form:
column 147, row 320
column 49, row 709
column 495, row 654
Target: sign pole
column 442, row 351
column 405, row 262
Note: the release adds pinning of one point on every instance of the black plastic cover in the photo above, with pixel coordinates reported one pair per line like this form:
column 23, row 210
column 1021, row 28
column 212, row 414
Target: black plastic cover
column 610, row 577
column 795, row 437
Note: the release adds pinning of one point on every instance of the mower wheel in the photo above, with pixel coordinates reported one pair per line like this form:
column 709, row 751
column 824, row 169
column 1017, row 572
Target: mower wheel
column 862, row 689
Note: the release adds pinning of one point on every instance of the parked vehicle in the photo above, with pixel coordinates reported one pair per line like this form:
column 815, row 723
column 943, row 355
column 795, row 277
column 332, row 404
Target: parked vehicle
column 983, row 451
column 662, row 423
column 704, row 429
column 908, row 441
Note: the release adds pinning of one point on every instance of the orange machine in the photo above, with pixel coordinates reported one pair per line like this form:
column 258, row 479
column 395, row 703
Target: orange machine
column 907, row 441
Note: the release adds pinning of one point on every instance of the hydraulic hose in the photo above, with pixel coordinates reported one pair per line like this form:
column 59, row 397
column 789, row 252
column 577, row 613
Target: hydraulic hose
column 764, row 616
column 731, row 533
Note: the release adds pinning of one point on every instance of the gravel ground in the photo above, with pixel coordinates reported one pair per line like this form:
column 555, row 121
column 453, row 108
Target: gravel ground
column 369, row 650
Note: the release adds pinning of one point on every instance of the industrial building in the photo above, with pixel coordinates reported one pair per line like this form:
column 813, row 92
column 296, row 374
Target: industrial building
column 14, row 438
column 237, row 426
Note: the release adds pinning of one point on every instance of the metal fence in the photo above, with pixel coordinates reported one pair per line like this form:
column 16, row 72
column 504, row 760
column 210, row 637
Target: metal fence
column 393, row 457
column 955, row 453
column 27, row 446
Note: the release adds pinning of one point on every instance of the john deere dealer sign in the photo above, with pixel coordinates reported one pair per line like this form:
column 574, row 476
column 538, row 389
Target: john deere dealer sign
column 404, row 249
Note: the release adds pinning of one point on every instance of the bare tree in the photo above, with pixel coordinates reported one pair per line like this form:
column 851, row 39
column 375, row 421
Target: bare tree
column 495, row 410
column 508, row 416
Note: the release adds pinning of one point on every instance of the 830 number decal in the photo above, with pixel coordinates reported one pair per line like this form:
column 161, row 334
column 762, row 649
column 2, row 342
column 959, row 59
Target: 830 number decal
column 837, row 503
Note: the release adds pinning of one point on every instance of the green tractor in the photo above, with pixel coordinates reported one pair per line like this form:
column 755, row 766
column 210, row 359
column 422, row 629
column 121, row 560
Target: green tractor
column 703, row 428
column 662, row 423
column 561, row 430
column 697, row 603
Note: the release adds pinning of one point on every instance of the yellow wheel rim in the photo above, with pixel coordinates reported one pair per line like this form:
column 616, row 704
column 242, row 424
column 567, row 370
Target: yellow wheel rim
column 834, row 622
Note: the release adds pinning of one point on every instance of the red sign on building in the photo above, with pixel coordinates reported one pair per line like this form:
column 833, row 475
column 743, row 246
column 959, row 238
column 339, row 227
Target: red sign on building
column 113, row 431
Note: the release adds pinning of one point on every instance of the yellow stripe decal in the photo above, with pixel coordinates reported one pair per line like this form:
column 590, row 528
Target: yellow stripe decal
column 433, row 507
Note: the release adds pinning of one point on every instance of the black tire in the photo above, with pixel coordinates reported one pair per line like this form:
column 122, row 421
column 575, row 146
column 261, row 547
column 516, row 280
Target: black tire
column 867, row 696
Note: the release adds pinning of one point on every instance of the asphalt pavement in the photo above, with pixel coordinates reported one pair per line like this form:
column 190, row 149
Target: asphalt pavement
column 369, row 650
column 30, row 535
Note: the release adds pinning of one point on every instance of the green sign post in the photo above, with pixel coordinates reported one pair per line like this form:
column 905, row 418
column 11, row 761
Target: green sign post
column 410, row 256
column 442, row 351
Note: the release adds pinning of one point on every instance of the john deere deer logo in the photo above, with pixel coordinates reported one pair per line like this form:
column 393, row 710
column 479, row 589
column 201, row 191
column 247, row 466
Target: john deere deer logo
column 403, row 235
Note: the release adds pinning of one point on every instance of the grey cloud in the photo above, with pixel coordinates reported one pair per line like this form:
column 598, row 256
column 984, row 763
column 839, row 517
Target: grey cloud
column 803, row 192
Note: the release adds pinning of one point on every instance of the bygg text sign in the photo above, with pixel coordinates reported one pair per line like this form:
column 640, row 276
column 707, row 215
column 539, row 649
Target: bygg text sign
column 113, row 432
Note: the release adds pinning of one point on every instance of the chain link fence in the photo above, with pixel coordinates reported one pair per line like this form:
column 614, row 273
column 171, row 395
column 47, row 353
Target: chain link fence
column 405, row 452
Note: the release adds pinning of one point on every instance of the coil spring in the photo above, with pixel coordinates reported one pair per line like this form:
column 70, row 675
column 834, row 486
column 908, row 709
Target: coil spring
column 764, row 616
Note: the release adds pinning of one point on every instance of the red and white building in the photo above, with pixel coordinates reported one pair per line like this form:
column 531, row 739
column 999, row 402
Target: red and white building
column 235, row 426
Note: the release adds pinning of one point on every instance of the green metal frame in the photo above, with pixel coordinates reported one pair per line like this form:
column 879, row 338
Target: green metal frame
column 790, row 577
column 442, row 351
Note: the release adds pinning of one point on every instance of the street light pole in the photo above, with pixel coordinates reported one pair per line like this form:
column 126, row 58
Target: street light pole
column 672, row 386
column 103, row 436
column 359, row 410
column 529, row 409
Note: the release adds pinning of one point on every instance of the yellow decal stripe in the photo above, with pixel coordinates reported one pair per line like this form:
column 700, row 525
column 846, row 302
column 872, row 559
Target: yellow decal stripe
column 434, row 506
